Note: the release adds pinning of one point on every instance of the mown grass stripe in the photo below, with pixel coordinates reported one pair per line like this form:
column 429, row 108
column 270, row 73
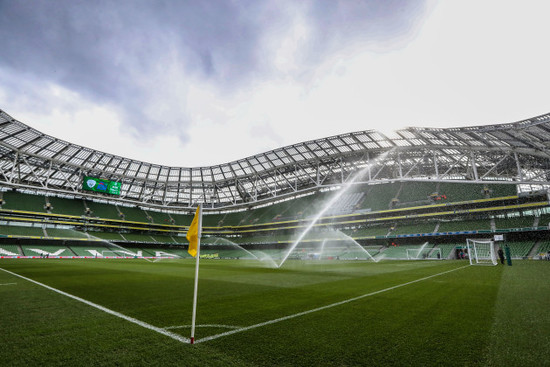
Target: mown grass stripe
column 303, row 313
column 107, row 310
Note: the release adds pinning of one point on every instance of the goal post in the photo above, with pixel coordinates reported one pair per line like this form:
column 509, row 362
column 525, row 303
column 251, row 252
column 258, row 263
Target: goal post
column 481, row 252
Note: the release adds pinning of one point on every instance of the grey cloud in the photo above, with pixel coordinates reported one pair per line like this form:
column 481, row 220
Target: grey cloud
column 104, row 50
column 381, row 25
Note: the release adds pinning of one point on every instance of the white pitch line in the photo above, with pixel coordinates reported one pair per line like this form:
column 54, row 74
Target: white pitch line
column 204, row 325
column 107, row 310
column 8, row 284
column 284, row 318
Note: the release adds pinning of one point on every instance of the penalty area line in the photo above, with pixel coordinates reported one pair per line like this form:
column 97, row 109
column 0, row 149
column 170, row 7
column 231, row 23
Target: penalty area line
column 284, row 318
column 107, row 310
column 8, row 284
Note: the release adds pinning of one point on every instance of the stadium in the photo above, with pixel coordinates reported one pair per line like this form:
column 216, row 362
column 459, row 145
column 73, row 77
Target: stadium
column 355, row 249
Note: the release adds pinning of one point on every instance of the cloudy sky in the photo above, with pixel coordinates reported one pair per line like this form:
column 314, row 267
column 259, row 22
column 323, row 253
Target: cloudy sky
column 196, row 83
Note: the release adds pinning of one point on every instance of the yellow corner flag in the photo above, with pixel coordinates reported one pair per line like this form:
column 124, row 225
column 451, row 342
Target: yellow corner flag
column 193, row 234
column 194, row 238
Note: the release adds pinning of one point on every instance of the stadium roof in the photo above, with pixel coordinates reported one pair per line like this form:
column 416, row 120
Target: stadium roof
column 516, row 153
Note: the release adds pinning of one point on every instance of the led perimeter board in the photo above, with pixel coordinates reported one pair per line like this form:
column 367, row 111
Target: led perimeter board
column 101, row 185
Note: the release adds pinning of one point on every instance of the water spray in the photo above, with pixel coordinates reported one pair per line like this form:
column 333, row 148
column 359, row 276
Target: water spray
column 331, row 202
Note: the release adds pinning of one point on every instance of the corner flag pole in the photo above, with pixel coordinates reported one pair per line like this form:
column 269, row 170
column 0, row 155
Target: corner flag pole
column 194, row 237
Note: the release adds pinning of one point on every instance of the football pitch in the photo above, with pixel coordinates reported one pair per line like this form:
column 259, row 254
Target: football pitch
column 335, row 313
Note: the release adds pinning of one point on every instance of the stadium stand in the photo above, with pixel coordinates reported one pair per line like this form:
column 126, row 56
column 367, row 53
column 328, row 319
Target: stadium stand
column 107, row 236
column 397, row 252
column 372, row 231
column 158, row 217
column 181, row 219
column 414, row 228
column 102, row 210
column 379, row 197
column 520, row 249
column 42, row 250
column 544, row 220
column 443, row 184
column 464, row 225
column 24, row 202
column 544, row 248
column 447, row 249
column 8, row 249
column 64, row 233
column 89, row 250
column 135, row 237
column 67, row 206
column 163, row 239
column 21, row 231
column 416, row 193
column 517, row 222
column 133, row 214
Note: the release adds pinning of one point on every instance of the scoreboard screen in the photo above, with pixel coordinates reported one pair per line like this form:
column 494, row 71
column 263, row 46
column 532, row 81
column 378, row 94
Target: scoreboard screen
column 101, row 185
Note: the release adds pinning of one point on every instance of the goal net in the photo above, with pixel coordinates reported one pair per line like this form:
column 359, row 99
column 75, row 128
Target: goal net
column 481, row 252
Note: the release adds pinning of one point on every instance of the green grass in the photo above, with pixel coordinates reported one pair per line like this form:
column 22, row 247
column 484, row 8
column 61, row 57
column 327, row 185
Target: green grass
column 472, row 316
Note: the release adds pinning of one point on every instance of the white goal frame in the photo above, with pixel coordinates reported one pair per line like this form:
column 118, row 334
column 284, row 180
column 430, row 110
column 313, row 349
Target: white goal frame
column 481, row 252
